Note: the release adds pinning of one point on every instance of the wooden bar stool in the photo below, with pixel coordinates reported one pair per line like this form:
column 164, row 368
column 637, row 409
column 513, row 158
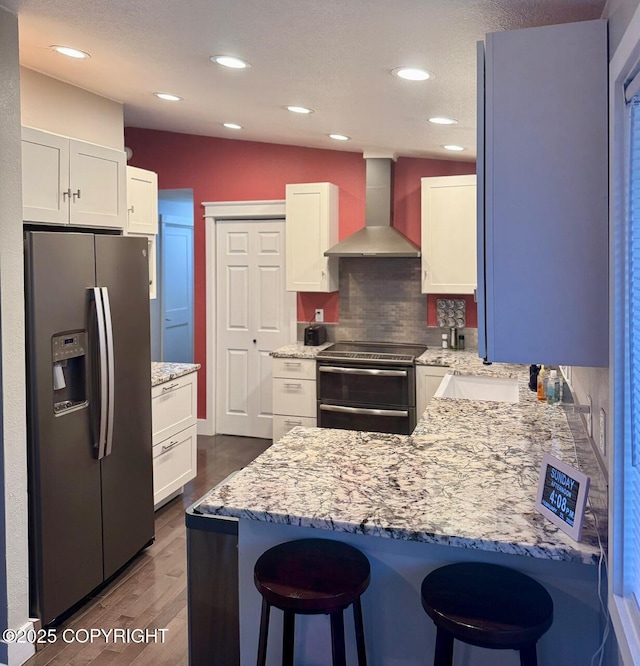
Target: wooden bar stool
column 486, row 605
column 312, row 577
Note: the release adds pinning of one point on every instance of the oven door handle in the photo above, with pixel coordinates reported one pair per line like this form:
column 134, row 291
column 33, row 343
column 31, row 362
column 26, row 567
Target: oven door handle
column 363, row 411
column 362, row 371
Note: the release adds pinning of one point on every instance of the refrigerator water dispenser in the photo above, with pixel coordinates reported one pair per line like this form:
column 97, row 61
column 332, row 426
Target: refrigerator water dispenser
column 68, row 354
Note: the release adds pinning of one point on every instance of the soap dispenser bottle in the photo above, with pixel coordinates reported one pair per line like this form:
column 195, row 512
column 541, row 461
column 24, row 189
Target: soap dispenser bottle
column 553, row 388
column 542, row 385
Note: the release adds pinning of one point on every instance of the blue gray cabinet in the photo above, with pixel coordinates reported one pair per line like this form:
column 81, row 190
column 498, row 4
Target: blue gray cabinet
column 543, row 195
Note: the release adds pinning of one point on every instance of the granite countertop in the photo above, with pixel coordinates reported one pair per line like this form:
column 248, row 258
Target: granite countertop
column 466, row 477
column 165, row 372
column 299, row 350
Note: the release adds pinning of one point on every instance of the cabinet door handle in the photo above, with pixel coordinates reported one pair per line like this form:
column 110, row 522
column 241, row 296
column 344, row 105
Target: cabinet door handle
column 76, row 195
column 169, row 446
column 170, row 387
column 132, row 209
column 65, row 194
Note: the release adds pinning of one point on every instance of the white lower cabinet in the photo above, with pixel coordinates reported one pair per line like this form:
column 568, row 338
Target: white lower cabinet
column 428, row 378
column 294, row 395
column 174, row 417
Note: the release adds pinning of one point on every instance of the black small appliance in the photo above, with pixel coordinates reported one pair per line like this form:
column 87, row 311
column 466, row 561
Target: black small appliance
column 315, row 335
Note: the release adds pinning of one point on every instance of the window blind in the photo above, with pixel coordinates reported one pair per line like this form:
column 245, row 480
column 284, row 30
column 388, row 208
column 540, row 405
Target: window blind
column 632, row 408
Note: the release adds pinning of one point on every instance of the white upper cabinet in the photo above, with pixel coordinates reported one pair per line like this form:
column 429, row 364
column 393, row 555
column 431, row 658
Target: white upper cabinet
column 66, row 181
column 543, row 195
column 449, row 235
column 311, row 228
column 142, row 201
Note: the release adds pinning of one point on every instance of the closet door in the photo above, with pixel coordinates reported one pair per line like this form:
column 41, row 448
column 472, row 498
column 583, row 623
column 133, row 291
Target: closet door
column 252, row 320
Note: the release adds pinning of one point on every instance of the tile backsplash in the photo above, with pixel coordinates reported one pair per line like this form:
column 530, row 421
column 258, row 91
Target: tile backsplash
column 380, row 299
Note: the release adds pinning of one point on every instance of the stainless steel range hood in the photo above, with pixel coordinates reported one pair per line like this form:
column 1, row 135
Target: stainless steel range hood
column 378, row 238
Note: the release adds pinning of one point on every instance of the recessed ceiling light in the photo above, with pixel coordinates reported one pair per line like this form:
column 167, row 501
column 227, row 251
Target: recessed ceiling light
column 168, row 97
column 299, row 109
column 234, row 126
column 71, row 53
column 441, row 120
column 230, row 61
column 453, row 147
column 412, row 73
column 339, row 137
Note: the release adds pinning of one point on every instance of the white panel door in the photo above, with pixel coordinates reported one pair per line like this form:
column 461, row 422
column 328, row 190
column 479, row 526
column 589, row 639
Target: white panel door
column 252, row 320
column 177, row 290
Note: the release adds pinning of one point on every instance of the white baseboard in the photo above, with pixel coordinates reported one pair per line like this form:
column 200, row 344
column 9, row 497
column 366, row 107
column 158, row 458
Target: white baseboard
column 205, row 427
column 19, row 653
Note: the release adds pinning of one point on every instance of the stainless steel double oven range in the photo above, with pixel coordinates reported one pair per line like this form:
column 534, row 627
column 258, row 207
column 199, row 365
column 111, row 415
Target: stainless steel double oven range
column 368, row 386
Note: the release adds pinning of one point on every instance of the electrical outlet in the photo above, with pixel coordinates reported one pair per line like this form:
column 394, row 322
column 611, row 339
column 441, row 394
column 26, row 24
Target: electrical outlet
column 319, row 314
column 603, row 432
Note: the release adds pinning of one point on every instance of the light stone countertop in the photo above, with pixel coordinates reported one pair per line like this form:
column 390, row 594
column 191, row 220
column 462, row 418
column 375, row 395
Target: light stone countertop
column 299, row 350
column 165, row 372
column 466, row 477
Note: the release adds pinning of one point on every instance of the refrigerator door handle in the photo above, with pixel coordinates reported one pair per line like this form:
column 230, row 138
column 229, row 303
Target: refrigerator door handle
column 110, row 369
column 102, row 357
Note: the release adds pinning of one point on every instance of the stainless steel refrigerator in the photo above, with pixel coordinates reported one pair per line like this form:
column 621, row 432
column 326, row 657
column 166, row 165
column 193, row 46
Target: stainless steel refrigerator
column 89, row 412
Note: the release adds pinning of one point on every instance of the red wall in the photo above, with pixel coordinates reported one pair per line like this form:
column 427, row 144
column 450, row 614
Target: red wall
column 231, row 170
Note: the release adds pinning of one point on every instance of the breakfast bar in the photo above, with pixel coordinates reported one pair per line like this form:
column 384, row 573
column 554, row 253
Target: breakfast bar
column 460, row 488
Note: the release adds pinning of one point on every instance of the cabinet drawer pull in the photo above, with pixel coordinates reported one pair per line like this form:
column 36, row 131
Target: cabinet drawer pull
column 296, row 385
column 289, row 422
column 169, row 446
column 295, row 364
column 170, row 387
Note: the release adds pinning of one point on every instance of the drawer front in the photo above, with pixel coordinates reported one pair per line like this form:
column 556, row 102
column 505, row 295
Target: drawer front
column 174, row 463
column 300, row 368
column 173, row 406
column 294, row 396
column 282, row 424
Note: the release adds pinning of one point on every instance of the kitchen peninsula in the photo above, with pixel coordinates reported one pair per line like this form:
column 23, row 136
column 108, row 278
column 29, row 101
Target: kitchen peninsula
column 460, row 488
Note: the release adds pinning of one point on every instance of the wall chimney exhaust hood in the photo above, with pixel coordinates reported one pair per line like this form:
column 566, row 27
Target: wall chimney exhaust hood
column 378, row 238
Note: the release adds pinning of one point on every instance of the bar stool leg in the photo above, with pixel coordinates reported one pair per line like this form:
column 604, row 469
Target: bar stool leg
column 287, row 638
column 337, row 639
column 444, row 649
column 528, row 656
column 264, row 633
column 359, row 626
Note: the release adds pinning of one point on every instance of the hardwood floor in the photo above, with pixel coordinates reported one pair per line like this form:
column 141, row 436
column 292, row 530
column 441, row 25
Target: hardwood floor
column 151, row 592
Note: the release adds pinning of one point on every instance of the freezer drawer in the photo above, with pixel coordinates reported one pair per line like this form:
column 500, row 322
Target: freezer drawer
column 173, row 407
column 294, row 396
column 174, row 463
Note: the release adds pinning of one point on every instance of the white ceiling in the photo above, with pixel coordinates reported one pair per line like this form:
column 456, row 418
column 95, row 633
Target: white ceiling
column 331, row 55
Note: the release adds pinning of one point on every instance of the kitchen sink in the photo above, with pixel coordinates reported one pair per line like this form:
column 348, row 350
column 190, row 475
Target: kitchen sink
column 472, row 387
